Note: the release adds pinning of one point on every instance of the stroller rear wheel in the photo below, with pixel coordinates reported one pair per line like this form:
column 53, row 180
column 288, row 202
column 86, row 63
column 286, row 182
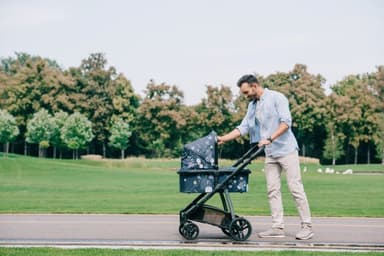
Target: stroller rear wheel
column 226, row 231
column 189, row 230
column 240, row 229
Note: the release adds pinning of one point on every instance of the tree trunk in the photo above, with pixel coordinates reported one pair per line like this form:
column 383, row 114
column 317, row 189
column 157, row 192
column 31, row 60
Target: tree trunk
column 333, row 148
column 303, row 150
column 356, row 152
column 122, row 154
column 104, row 150
column 25, row 148
column 73, row 154
column 382, row 158
column 369, row 155
column 54, row 152
column 6, row 149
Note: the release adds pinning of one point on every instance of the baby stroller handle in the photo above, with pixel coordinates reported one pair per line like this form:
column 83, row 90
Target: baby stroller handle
column 249, row 152
column 241, row 167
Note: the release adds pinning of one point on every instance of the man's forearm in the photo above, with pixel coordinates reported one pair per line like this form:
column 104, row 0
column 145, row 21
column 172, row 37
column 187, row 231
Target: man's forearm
column 229, row 136
column 283, row 127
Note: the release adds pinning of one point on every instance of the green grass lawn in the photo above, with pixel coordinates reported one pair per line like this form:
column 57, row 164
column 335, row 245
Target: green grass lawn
column 109, row 252
column 32, row 185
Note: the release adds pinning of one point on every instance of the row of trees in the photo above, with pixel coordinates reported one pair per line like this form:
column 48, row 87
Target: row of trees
column 332, row 127
column 60, row 131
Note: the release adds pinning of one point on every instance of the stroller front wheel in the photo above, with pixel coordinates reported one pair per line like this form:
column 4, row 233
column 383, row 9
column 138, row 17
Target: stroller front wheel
column 240, row 229
column 189, row 230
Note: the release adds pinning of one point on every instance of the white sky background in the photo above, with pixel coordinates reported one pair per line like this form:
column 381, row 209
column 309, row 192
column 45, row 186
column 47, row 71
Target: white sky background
column 198, row 42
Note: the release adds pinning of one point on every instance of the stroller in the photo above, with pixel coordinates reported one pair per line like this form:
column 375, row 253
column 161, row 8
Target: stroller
column 199, row 173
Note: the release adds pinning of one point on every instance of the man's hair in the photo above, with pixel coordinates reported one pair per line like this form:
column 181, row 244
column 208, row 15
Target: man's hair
column 247, row 79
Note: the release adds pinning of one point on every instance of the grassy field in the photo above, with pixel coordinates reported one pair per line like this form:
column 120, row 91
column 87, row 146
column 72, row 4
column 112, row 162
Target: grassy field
column 104, row 252
column 32, row 185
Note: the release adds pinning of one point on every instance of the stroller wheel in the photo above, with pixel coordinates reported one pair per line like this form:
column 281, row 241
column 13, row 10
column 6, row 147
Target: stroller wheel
column 240, row 229
column 189, row 230
column 226, row 231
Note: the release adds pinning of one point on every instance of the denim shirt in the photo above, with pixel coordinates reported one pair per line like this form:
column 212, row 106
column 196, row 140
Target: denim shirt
column 263, row 118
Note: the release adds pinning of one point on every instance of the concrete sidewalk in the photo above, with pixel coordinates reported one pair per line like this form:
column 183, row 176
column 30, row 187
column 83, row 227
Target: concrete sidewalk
column 161, row 231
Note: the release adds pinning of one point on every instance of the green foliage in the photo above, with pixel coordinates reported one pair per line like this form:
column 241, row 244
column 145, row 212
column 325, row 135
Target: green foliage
column 307, row 100
column 333, row 148
column 161, row 123
column 106, row 94
column 60, row 119
column 378, row 137
column 8, row 127
column 160, row 120
column 215, row 112
column 120, row 133
column 77, row 131
column 29, row 84
column 361, row 119
column 40, row 130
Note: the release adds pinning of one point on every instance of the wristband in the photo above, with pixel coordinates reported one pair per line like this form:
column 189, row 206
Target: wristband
column 270, row 139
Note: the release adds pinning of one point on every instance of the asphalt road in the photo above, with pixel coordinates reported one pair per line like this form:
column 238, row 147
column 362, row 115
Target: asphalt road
column 152, row 231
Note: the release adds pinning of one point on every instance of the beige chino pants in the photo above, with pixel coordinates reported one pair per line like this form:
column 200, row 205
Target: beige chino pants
column 273, row 169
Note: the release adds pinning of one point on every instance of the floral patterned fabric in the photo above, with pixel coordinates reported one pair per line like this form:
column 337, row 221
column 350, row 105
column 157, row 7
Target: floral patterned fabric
column 201, row 154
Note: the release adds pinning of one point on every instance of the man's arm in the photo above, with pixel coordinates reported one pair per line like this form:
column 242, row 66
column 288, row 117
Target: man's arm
column 229, row 136
column 283, row 127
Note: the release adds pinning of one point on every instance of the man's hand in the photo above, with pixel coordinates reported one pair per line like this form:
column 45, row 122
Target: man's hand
column 228, row 137
column 264, row 143
column 220, row 140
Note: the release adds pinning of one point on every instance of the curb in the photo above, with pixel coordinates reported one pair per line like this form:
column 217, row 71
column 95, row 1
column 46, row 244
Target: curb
column 219, row 246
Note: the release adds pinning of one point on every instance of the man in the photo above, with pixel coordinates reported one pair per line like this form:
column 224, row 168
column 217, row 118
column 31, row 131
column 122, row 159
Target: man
column 268, row 122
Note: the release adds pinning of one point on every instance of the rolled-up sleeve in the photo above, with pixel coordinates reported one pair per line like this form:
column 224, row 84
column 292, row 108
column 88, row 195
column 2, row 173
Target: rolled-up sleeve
column 244, row 127
column 282, row 106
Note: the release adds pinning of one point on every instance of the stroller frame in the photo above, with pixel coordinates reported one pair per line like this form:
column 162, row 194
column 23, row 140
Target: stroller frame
column 238, row 228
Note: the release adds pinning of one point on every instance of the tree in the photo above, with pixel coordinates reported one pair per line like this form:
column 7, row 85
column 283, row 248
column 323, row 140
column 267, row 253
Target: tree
column 120, row 134
column 362, row 115
column 216, row 112
column 160, row 120
column 107, row 94
column 76, row 132
column 307, row 99
column 377, row 87
column 378, row 137
column 333, row 148
column 40, row 130
column 335, row 120
column 30, row 83
column 8, row 129
column 60, row 119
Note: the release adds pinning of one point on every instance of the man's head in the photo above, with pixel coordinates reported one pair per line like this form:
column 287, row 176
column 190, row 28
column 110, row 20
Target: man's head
column 250, row 87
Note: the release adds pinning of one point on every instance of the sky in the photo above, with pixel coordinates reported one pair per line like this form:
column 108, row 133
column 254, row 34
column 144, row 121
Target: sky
column 196, row 43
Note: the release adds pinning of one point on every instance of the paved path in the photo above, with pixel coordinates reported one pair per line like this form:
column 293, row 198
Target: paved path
column 161, row 231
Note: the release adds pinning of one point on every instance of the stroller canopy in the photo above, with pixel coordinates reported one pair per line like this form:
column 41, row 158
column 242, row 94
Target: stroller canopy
column 201, row 154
